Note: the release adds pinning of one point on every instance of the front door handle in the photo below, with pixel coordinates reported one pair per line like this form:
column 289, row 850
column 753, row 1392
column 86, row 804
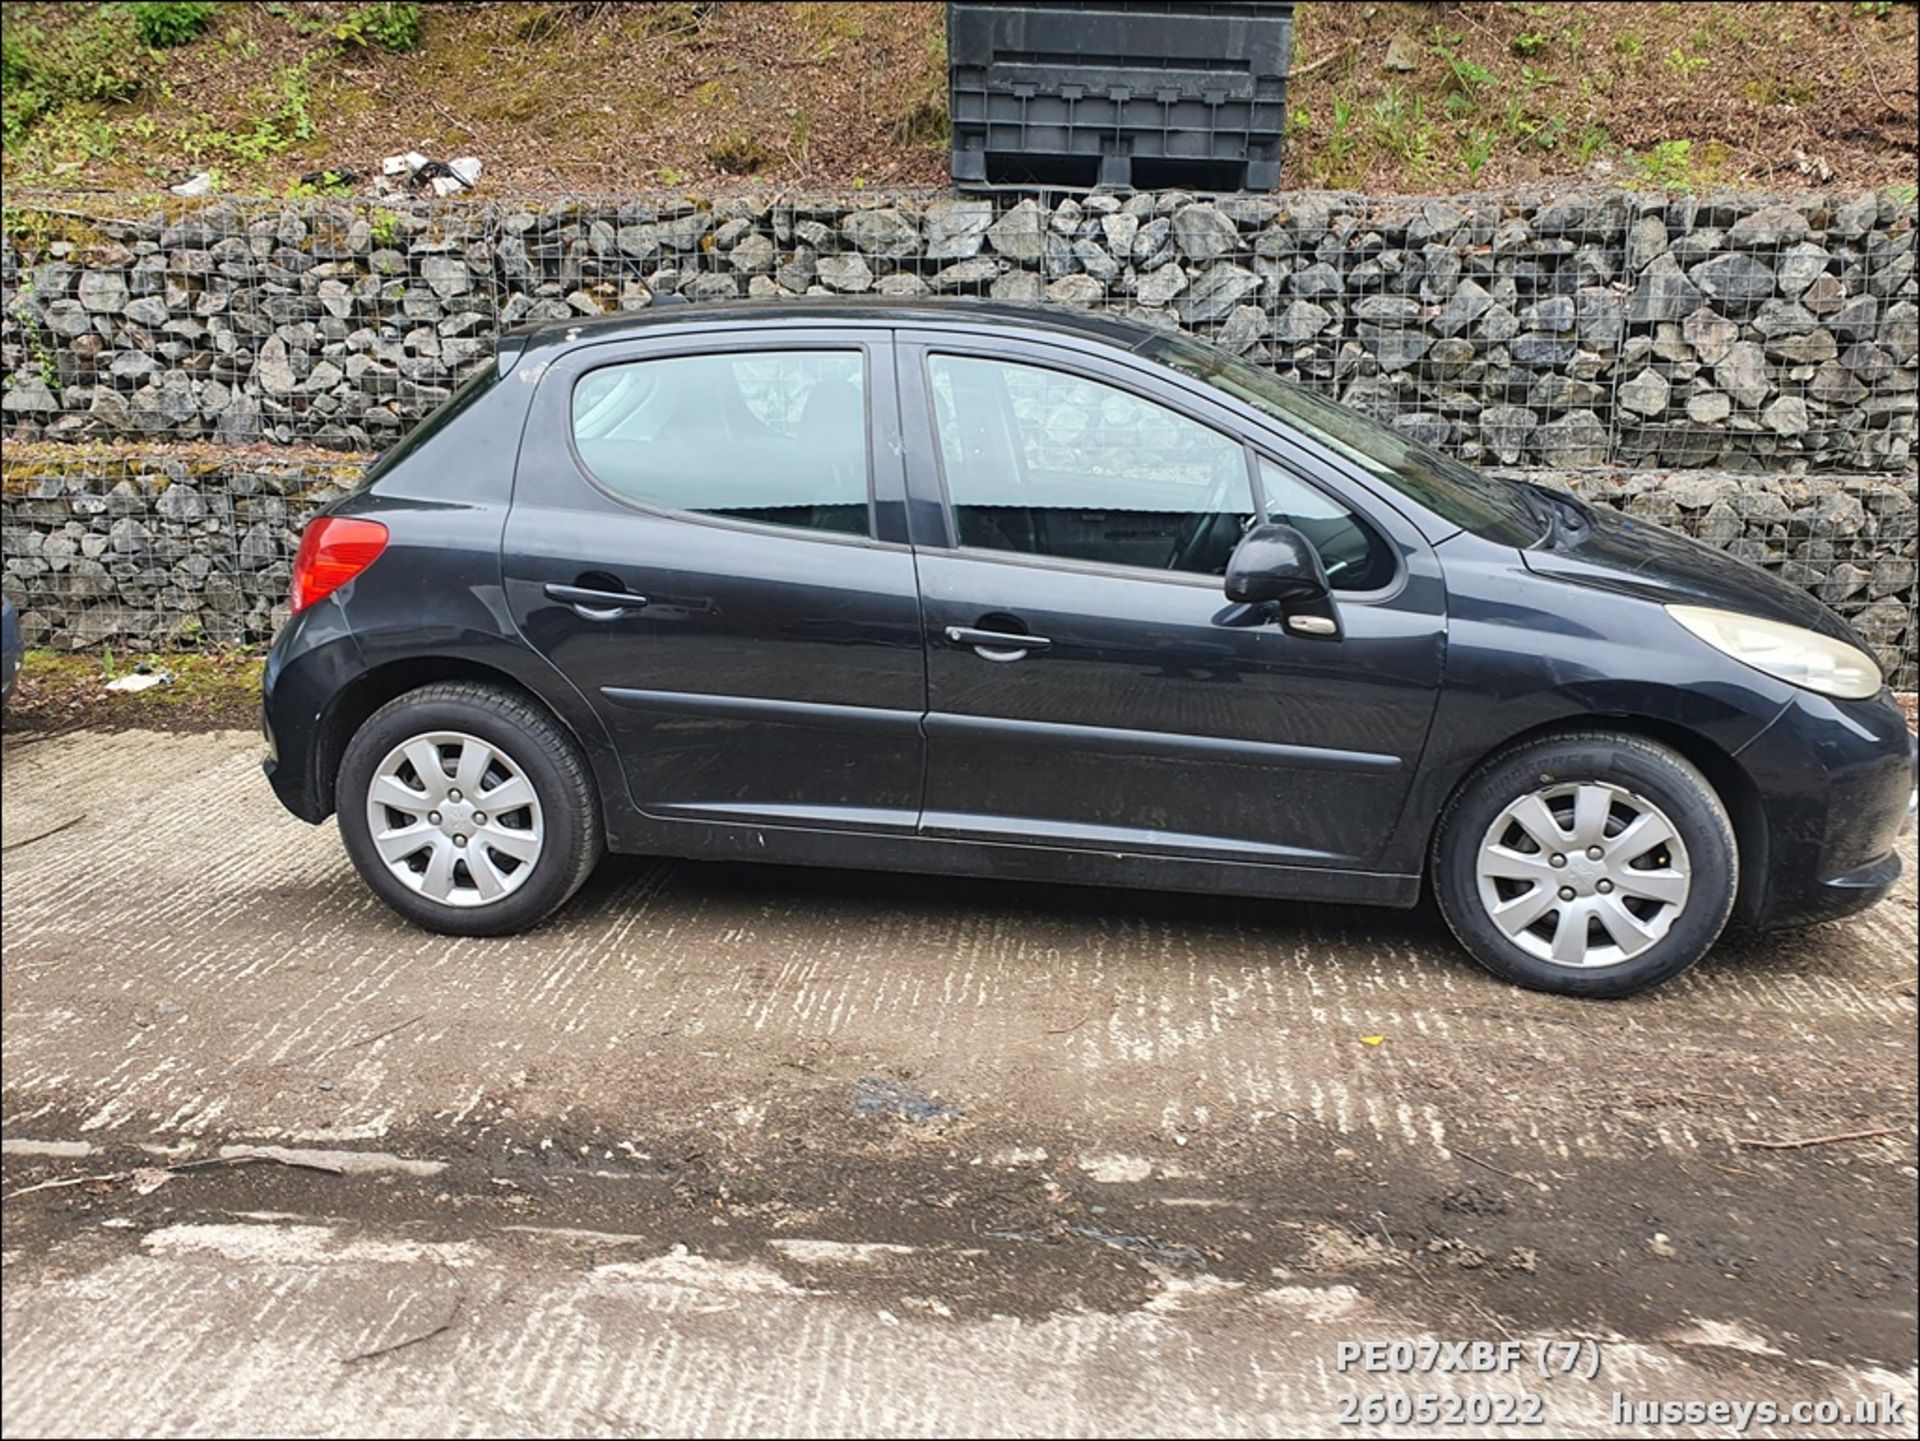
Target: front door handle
column 997, row 644
column 591, row 604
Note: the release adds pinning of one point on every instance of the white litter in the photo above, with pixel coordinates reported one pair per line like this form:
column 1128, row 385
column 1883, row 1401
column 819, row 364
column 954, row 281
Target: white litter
column 467, row 168
column 194, row 185
column 136, row 682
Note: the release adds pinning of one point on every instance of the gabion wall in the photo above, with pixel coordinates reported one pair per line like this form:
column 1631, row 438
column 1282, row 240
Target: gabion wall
column 1589, row 329
column 153, row 550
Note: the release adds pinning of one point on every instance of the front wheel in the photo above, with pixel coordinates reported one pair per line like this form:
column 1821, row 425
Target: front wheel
column 1595, row 864
column 468, row 810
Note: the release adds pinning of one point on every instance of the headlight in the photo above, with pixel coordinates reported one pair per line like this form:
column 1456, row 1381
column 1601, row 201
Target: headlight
column 1786, row 652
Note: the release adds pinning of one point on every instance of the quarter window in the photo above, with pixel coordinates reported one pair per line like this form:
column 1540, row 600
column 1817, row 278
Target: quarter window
column 778, row 437
column 1041, row 462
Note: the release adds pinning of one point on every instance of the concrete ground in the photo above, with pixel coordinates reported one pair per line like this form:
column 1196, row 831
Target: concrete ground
column 743, row 1150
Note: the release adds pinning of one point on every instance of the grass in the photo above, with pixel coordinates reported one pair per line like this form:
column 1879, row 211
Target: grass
column 1680, row 95
column 215, row 689
column 603, row 97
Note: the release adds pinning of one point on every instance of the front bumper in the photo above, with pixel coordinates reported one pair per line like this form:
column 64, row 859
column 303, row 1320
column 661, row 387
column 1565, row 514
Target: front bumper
column 1836, row 786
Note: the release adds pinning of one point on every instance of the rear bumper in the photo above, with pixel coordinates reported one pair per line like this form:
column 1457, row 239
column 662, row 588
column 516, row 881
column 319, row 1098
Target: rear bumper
column 1836, row 781
column 312, row 660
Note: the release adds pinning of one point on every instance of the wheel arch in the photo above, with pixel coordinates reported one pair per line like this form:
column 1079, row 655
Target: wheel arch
column 356, row 701
column 1723, row 771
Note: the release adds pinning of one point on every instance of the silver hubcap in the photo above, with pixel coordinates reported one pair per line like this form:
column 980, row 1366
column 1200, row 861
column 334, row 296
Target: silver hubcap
column 1585, row 874
column 455, row 818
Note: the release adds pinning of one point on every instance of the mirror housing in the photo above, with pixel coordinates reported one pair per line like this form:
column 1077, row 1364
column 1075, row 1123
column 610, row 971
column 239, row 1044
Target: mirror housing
column 1274, row 562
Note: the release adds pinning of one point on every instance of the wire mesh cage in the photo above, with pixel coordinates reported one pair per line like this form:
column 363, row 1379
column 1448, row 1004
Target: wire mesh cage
column 1744, row 368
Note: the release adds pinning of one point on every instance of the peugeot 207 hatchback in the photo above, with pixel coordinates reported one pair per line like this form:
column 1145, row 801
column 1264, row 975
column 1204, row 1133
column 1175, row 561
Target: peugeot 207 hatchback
column 1001, row 592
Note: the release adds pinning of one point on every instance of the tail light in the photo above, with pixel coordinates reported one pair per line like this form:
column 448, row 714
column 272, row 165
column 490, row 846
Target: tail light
column 334, row 549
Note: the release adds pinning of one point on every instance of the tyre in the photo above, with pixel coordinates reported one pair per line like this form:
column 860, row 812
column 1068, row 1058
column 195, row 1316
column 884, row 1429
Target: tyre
column 1592, row 864
column 468, row 810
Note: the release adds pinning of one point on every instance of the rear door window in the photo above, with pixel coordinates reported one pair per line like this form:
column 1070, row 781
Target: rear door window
column 774, row 437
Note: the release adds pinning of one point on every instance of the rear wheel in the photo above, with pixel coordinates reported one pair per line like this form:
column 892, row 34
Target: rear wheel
column 1590, row 865
column 468, row 810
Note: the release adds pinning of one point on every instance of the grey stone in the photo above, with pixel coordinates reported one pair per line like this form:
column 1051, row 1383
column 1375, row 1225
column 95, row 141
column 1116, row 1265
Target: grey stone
column 1539, row 348
column 1387, row 309
column 1244, row 329
column 1711, row 335
column 956, row 229
column 966, row 275
column 1158, row 287
column 1118, row 230
column 1019, row 234
column 1868, row 361
column 1734, row 278
column 1203, row 233
column 1018, row 285
column 639, row 242
column 30, row 395
column 1663, row 293
column 1153, row 243
column 1646, row 393
column 1836, row 384
column 1799, row 267
column 1708, row 407
column 1782, row 317
column 886, row 233
column 1807, row 349
column 1767, row 228
column 1576, row 438
column 103, row 291
column 687, row 232
column 274, row 371
column 1318, row 281
column 1217, row 291
column 1506, row 430
column 849, row 274
column 1743, row 374
column 180, row 502
column 447, row 275
column 1786, row 416
column 1302, row 320
column 1646, row 239
column 753, row 255
column 68, row 318
column 1075, row 290
column 1094, row 260
column 149, row 310
column 1554, row 313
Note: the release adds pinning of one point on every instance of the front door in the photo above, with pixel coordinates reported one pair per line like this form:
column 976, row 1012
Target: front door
column 1089, row 685
column 706, row 538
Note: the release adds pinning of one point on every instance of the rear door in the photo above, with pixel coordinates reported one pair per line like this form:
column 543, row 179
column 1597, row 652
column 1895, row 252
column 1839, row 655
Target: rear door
column 1089, row 684
column 707, row 539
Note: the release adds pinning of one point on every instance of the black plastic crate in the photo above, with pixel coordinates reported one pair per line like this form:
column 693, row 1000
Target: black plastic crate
column 1140, row 96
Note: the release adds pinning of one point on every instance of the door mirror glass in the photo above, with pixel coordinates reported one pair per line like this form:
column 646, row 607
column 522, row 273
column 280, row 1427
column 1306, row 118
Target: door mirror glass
column 1275, row 562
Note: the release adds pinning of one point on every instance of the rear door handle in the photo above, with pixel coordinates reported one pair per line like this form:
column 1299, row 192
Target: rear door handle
column 997, row 644
column 596, row 604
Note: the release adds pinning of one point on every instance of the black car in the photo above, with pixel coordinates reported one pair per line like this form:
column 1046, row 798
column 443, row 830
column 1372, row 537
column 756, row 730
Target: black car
column 1004, row 592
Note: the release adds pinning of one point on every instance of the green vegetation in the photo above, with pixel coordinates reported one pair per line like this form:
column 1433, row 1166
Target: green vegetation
column 593, row 94
column 388, row 26
column 163, row 24
column 214, row 687
column 95, row 62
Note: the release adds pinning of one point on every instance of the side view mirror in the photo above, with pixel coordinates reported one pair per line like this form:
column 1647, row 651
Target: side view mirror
column 1274, row 562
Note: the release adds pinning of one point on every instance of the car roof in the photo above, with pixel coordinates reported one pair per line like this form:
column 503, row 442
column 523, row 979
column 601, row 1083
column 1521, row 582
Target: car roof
column 875, row 311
